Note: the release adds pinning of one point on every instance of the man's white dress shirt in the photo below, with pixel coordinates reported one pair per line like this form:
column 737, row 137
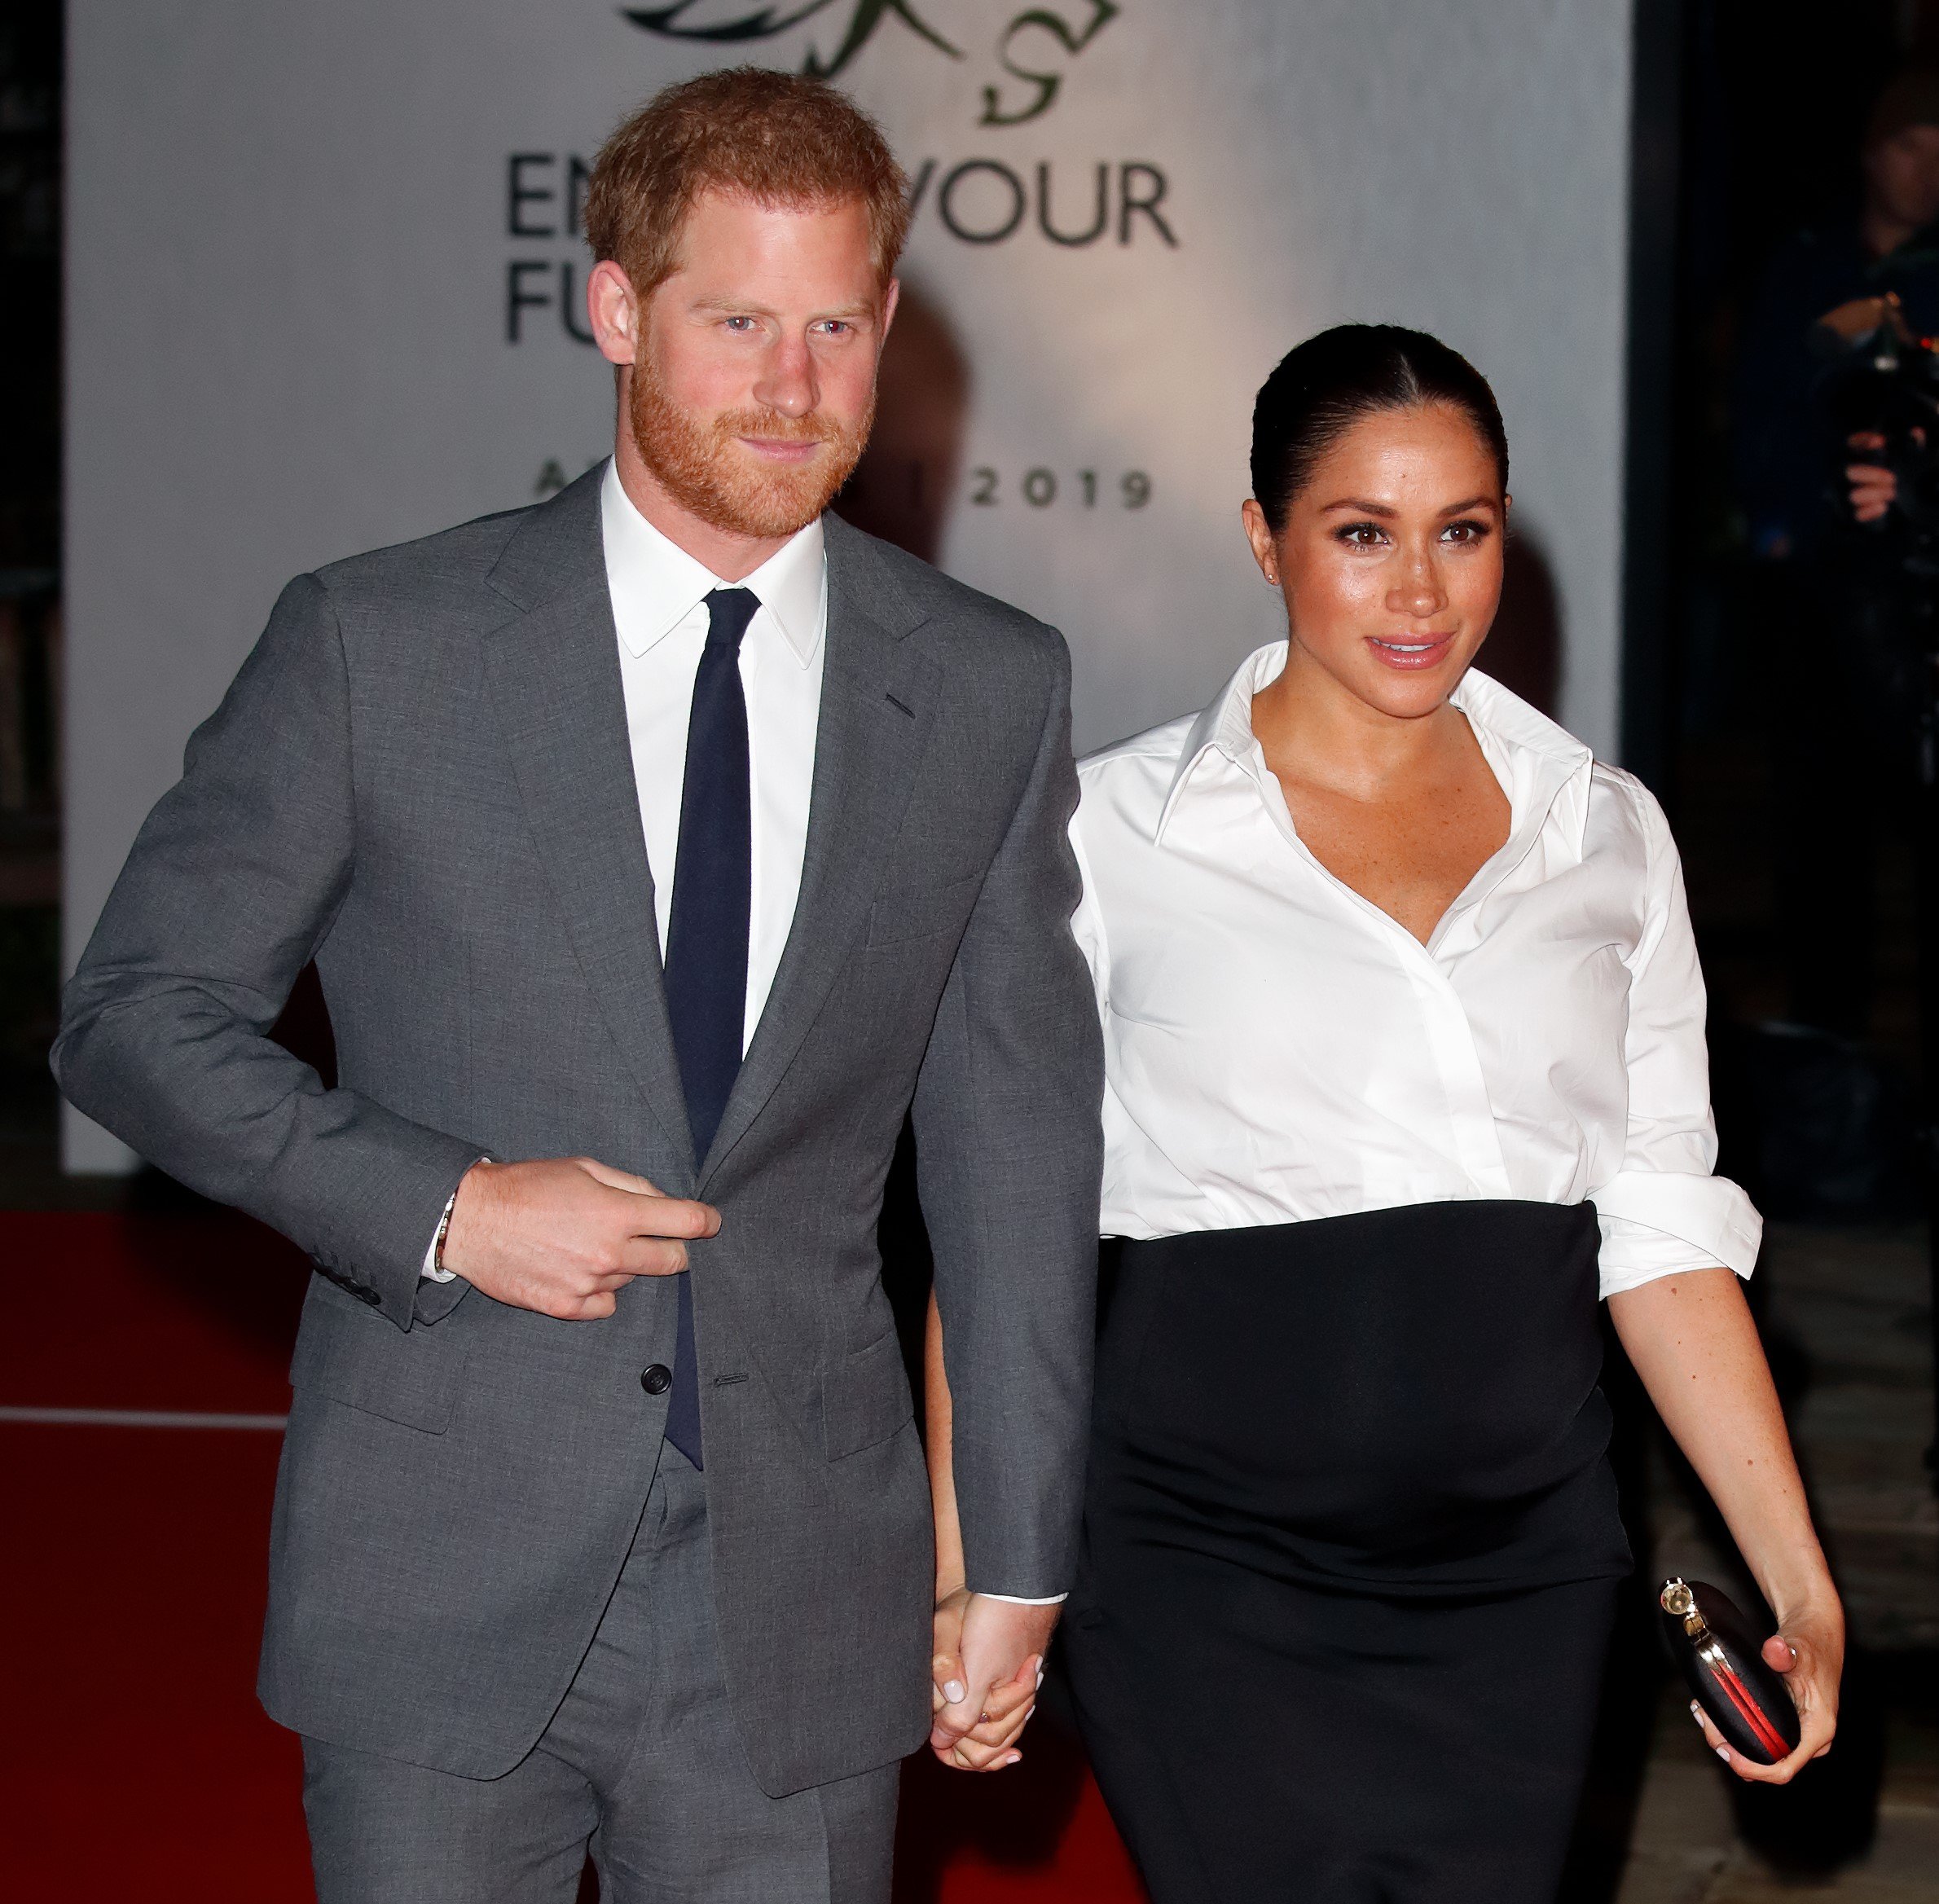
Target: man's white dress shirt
column 660, row 610
column 659, row 596
column 1277, row 1047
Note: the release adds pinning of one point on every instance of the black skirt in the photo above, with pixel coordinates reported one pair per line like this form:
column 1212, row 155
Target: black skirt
column 1351, row 1549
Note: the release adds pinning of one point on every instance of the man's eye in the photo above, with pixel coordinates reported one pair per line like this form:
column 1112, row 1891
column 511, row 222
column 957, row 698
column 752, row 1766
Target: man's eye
column 740, row 326
column 837, row 327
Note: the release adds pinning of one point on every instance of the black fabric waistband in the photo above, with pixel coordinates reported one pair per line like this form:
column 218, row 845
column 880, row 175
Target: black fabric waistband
column 1405, row 1397
column 1513, row 1224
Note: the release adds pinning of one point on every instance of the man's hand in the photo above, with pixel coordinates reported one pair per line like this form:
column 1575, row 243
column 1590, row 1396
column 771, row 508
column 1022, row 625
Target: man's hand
column 563, row 1235
column 1875, row 487
column 992, row 1669
column 1863, row 315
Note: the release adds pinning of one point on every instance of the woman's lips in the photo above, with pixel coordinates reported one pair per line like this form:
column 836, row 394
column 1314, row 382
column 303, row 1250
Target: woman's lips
column 1410, row 652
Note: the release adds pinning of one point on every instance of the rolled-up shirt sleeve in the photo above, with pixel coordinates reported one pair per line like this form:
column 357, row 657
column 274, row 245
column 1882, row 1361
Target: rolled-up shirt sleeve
column 1666, row 1211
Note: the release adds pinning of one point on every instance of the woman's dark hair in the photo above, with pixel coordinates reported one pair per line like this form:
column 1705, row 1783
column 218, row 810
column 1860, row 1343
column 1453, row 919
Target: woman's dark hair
column 1320, row 389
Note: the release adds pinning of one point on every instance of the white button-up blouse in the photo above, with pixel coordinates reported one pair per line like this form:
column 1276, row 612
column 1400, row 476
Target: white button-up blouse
column 1277, row 1047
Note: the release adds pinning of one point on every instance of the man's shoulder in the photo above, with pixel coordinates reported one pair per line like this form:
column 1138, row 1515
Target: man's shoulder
column 892, row 577
column 503, row 561
column 460, row 557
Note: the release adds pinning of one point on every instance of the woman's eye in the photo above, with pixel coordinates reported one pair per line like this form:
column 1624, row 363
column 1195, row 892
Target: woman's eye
column 1362, row 535
column 1465, row 532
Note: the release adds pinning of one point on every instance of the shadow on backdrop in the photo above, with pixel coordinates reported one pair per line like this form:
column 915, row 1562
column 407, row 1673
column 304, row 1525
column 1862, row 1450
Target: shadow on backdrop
column 903, row 487
column 1523, row 649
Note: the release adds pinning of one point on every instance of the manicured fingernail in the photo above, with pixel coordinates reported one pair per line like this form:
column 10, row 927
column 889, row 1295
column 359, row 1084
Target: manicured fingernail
column 952, row 1690
column 1015, row 1758
column 1723, row 1751
column 1696, row 1712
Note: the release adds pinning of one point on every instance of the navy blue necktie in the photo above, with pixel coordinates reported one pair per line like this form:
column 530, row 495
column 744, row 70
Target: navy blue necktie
column 707, row 937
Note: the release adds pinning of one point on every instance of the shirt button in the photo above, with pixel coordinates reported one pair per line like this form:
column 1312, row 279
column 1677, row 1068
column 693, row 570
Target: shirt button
column 655, row 1378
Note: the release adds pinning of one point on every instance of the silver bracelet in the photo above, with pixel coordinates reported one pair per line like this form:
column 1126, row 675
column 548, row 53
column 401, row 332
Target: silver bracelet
column 444, row 1225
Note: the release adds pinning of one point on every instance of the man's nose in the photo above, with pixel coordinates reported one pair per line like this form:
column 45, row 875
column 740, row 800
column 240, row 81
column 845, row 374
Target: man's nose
column 787, row 382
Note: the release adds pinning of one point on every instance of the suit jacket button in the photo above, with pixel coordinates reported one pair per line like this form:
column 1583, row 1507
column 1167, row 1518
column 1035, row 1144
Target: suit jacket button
column 655, row 1378
column 368, row 1295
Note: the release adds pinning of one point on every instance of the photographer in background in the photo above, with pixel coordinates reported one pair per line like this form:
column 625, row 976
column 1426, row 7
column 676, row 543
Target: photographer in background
column 1832, row 602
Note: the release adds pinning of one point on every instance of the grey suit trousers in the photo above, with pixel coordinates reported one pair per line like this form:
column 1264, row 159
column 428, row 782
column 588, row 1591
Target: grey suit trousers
column 641, row 1763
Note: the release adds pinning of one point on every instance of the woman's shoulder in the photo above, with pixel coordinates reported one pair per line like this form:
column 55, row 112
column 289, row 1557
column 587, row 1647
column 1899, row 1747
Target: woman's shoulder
column 1619, row 815
column 1122, row 792
column 1630, row 802
column 1626, row 832
column 1138, row 770
column 1137, row 753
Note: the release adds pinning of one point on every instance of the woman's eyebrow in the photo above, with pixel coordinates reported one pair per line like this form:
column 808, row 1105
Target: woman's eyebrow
column 1359, row 507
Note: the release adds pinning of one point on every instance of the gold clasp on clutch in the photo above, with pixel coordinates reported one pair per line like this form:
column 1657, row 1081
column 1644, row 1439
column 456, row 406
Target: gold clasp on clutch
column 1680, row 1604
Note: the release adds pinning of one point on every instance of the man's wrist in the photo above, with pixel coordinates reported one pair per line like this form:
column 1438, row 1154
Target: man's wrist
column 433, row 1269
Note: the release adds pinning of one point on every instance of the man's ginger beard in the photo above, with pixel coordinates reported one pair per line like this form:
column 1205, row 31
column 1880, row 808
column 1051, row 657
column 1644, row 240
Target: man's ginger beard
column 696, row 460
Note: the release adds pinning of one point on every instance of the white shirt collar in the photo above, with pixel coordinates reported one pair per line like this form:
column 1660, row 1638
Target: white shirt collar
column 656, row 584
column 1534, row 757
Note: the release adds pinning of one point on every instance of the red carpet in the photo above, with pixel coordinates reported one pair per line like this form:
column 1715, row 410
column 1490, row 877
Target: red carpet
column 134, row 1762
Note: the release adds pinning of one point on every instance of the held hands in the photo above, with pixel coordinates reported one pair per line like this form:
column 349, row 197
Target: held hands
column 564, row 1235
column 989, row 1656
column 1809, row 1651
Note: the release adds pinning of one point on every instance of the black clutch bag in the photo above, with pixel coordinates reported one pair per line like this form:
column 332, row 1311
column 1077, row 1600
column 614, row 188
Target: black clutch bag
column 1746, row 1701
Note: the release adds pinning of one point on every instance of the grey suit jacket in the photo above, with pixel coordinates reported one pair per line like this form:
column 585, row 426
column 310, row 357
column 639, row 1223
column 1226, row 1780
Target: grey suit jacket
column 421, row 778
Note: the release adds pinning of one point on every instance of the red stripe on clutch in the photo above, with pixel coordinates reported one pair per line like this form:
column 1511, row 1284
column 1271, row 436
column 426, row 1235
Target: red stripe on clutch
column 1768, row 1735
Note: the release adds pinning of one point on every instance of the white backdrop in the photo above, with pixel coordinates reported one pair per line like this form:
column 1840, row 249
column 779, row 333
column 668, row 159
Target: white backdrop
column 321, row 260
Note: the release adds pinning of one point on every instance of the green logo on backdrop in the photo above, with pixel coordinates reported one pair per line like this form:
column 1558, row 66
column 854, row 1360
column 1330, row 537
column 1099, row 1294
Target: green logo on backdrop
column 1028, row 89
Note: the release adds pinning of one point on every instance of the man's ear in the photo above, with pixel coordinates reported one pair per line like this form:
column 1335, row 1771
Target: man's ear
column 890, row 298
column 613, row 312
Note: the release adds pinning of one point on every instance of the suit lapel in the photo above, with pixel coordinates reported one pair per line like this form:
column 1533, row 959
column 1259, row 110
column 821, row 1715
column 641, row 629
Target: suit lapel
column 876, row 706
column 554, row 680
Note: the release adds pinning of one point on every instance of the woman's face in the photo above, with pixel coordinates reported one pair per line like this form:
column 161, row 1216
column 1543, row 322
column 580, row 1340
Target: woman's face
column 1390, row 558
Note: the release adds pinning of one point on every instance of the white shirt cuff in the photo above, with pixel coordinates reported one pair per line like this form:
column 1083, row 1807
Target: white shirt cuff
column 1020, row 1600
column 1663, row 1223
column 431, row 1273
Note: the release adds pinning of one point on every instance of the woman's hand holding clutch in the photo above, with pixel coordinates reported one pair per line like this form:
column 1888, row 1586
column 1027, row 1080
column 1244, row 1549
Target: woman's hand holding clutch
column 1692, row 1339
column 1809, row 1650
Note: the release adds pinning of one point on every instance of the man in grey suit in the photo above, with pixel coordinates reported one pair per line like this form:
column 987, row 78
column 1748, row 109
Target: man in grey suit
column 664, row 842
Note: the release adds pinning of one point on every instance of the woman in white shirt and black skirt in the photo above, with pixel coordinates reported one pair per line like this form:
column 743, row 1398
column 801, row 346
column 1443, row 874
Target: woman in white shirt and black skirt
column 1403, row 1030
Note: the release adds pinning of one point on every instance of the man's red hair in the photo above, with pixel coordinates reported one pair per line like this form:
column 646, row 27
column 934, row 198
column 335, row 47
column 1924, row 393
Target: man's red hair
column 772, row 137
